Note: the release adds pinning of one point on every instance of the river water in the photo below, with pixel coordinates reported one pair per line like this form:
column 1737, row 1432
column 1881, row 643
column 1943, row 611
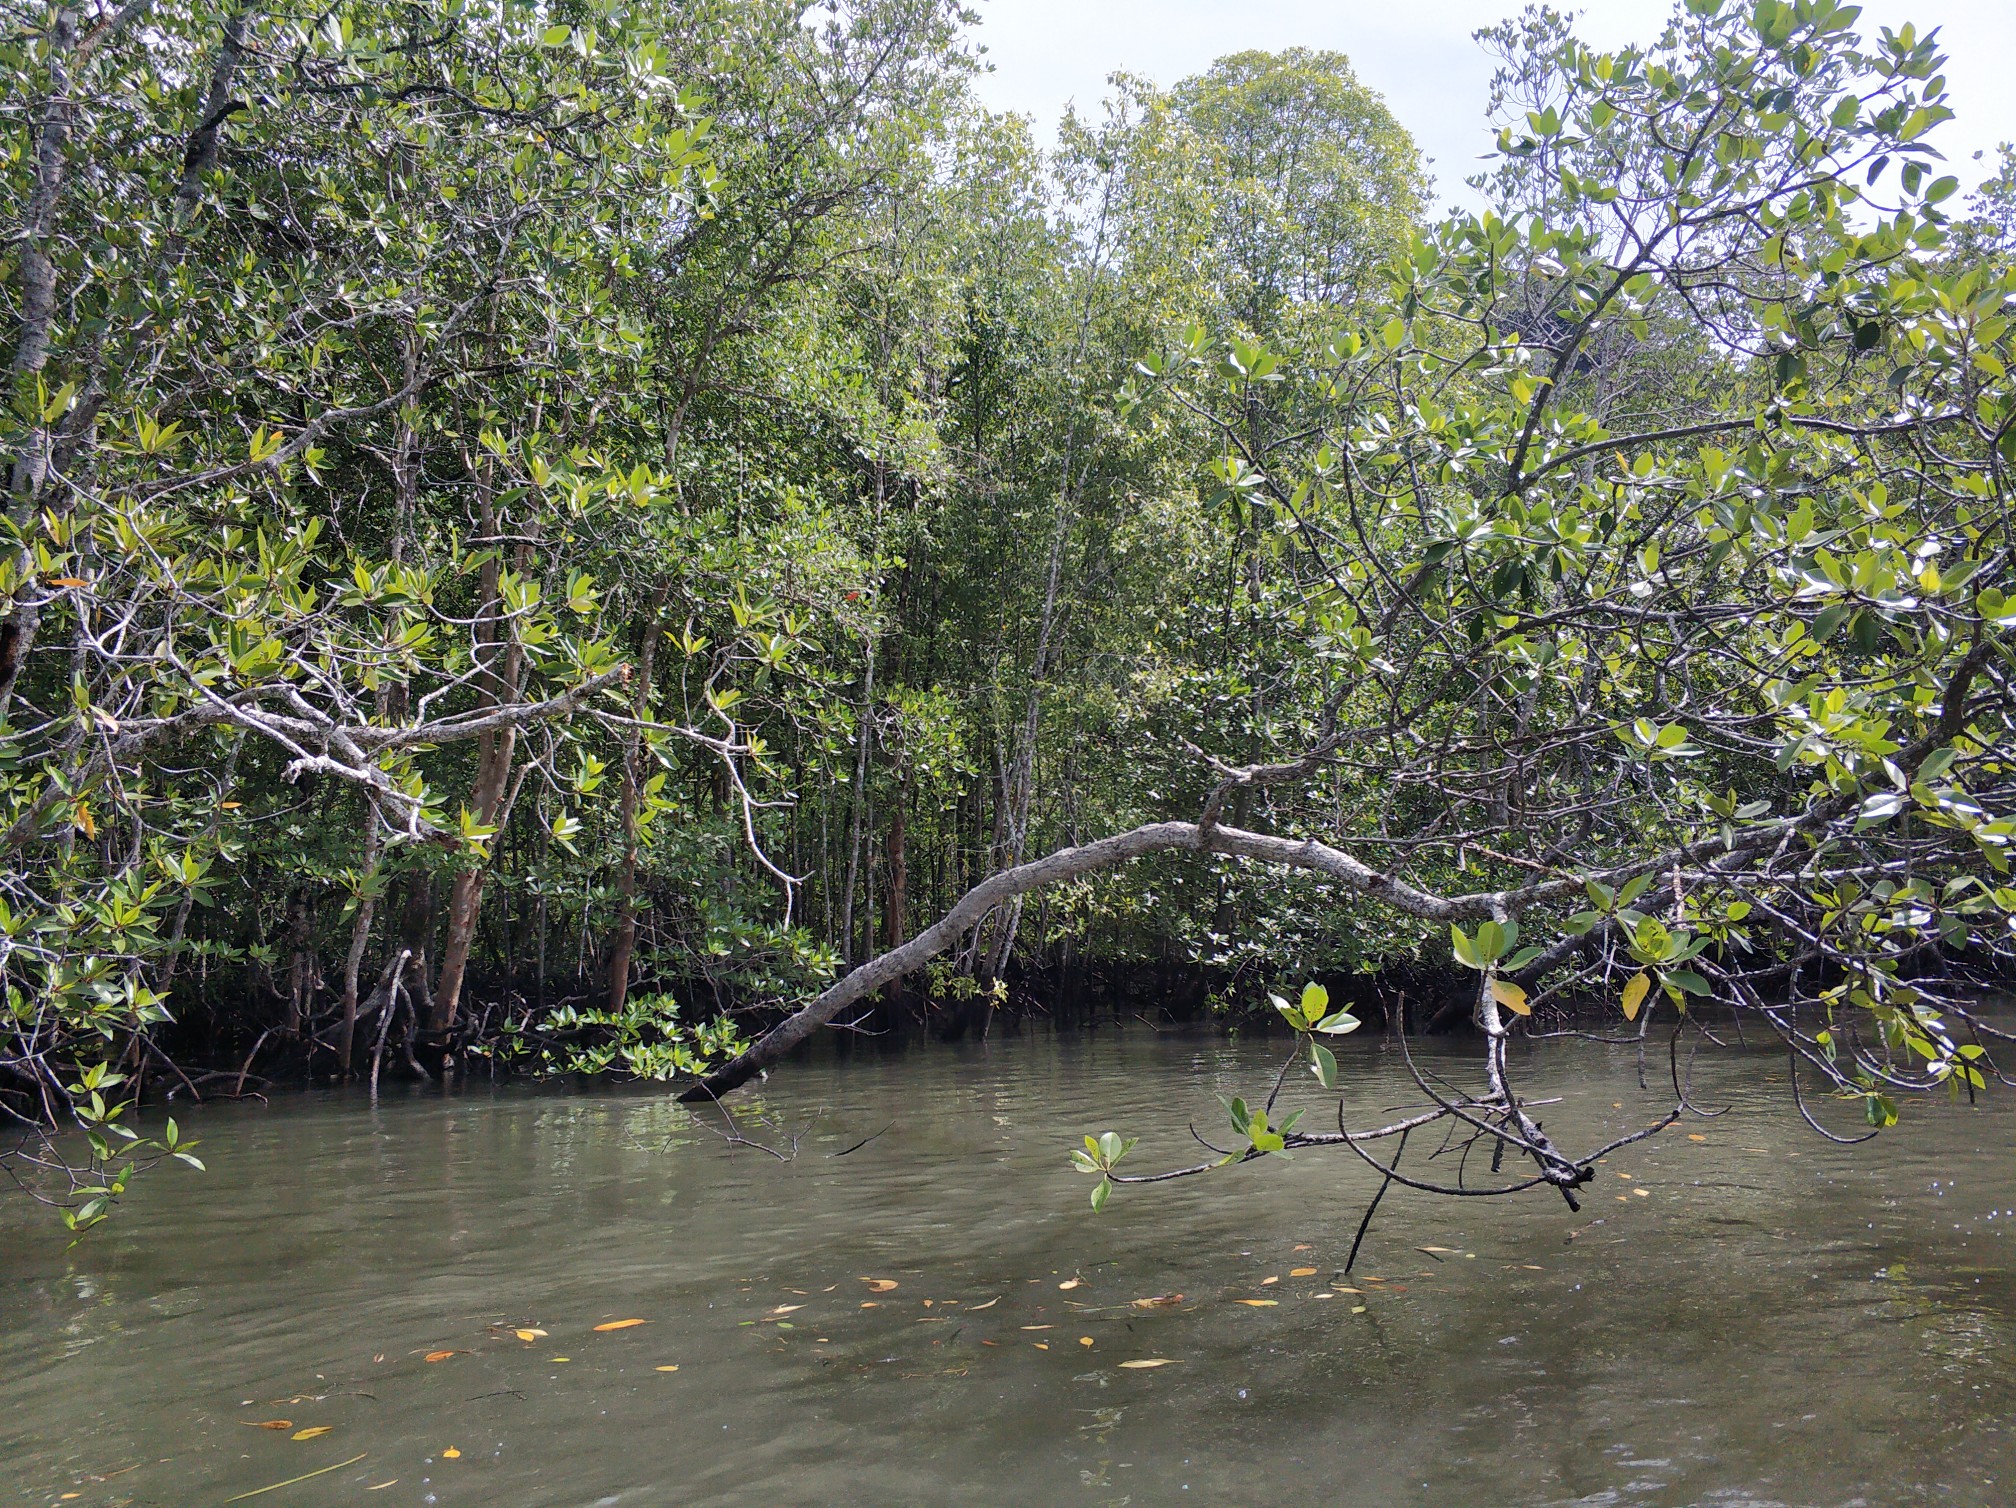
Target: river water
column 1755, row 1317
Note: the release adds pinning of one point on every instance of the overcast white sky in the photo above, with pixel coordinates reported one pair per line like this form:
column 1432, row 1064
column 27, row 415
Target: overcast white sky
column 1418, row 53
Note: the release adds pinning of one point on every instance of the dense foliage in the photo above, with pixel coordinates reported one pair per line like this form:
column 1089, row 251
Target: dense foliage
column 538, row 530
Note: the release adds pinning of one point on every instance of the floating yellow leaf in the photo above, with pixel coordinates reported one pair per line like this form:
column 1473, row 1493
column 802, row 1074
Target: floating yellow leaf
column 441, row 1355
column 559, row 1358
column 673, row 1368
column 1084, row 1340
column 1268, row 1282
column 313, row 1432
column 628, row 1324
column 988, row 1305
column 1695, row 1136
column 381, row 1486
column 794, row 1308
column 1149, row 1361
column 268, row 1423
column 1041, row 1345
column 870, row 1304
column 1259, row 1303
column 451, row 1454
column 1304, row 1246
column 528, row 1334
column 1635, row 991
column 1436, row 1251
column 1360, row 1309
column 1302, row 1272
column 1070, row 1283
column 1643, row 1193
column 879, row 1285
column 1036, row 1327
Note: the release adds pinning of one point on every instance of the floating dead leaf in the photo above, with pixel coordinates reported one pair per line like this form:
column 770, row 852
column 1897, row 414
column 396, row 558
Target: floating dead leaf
column 381, row 1486
column 268, row 1423
column 988, row 1305
column 1269, row 1282
column 1070, row 1283
column 1358, row 1309
column 1259, row 1303
column 1304, row 1246
column 451, row 1454
column 990, row 1342
column 789, row 1308
column 673, row 1368
column 870, row 1304
column 528, row 1334
column 441, row 1355
column 1041, row 1345
column 1695, row 1136
column 880, row 1285
column 629, row 1324
column 1643, row 1193
column 1038, row 1327
column 1437, row 1251
column 1084, row 1340
column 313, row 1432
column 1322, row 1295
column 1302, row 1272
column 1159, row 1301
column 1148, row 1361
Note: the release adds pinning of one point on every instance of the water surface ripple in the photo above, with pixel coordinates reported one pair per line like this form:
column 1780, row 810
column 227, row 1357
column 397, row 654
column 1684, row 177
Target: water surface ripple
column 1754, row 1318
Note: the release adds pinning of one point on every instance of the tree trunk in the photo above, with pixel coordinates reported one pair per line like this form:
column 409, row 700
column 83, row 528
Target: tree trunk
column 499, row 683
column 864, row 735
column 360, row 939
column 899, row 884
column 1068, row 863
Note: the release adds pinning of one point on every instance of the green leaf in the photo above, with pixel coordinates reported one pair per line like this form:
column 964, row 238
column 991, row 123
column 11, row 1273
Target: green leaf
column 1101, row 1192
column 1323, row 1063
column 1466, row 949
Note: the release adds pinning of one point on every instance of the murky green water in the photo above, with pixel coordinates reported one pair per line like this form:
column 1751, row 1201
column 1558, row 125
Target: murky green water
column 1755, row 1318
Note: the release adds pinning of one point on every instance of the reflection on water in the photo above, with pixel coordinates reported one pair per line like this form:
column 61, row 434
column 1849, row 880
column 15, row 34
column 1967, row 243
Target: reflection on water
column 1748, row 1319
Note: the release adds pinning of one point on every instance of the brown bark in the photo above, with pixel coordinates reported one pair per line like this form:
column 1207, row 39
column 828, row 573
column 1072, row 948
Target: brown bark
column 499, row 686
